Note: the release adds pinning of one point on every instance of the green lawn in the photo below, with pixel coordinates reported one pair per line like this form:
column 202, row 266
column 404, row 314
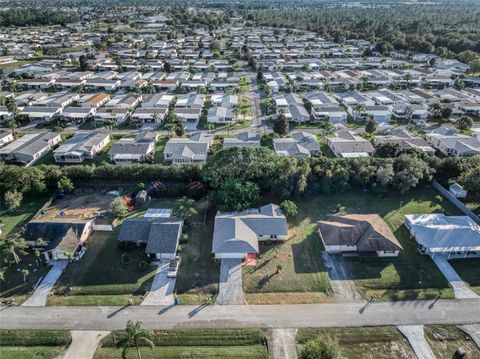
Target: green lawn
column 300, row 259
column 444, row 340
column 209, row 343
column 14, row 220
column 469, row 270
column 32, row 344
column 362, row 343
column 198, row 275
column 100, row 278
column 162, row 141
column 410, row 275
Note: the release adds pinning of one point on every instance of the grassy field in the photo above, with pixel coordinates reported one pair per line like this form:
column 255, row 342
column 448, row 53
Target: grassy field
column 13, row 220
column 469, row 270
column 363, row 343
column 100, row 278
column 410, row 275
column 198, row 275
column 445, row 340
column 32, row 344
column 228, row 343
column 300, row 259
column 162, row 141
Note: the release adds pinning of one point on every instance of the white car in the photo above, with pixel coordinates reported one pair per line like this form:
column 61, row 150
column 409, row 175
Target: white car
column 173, row 268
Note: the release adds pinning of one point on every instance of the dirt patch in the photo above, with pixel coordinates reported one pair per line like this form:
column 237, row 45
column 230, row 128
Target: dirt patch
column 85, row 207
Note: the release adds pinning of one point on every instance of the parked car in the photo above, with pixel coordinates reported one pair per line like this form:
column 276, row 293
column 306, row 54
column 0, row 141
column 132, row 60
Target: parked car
column 173, row 268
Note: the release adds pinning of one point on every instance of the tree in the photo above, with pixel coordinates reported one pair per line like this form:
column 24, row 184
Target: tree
column 169, row 127
column 12, row 248
column 25, row 273
column 387, row 150
column 323, row 347
column 470, row 179
column 289, row 208
column 179, row 130
column 12, row 125
column 184, row 208
column 235, row 195
column 409, row 171
column 135, row 335
column 370, row 127
column 13, row 199
column 358, row 111
column 119, row 208
column 464, row 123
column 167, row 66
column 436, row 110
column 446, row 112
column 65, row 185
column 280, row 126
column 83, row 62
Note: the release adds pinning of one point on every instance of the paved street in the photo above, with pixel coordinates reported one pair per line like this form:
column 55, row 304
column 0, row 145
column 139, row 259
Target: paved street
column 39, row 297
column 457, row 311
column 231, row 289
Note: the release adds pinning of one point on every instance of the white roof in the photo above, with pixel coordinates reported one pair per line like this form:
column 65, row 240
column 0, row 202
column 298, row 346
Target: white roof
column 440, row 233
column 158, row 212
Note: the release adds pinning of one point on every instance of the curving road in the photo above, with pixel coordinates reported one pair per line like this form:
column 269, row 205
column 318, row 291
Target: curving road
column 458, row 311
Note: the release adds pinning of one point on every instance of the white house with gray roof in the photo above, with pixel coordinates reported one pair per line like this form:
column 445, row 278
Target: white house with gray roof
column 301, row 145
column 82, row 146
column 130, row 150
column 236, row 235
column 243, row 139
column 451, row 143
column 348, row 145
column 29, row 148
column 188, row 150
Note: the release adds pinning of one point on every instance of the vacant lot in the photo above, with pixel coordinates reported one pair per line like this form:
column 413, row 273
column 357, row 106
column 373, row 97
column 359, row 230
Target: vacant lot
column 77, row 205
column 469, row 270
column 362, row 343
column 410, row 276
column 241, row 343
column 32, row 344
column 446, row 339
column 299, row 256
column 100, row 277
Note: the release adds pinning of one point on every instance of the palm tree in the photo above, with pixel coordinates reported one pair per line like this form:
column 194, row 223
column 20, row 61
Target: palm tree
column 169, row 127
column 359, row 110
column 134, row 336
column 14, row 246
column 184, row 207
column 436, row 109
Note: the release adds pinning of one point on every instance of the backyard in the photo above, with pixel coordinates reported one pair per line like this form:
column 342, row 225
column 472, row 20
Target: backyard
column 210, row 343
column 362, row 343
column 13, row 220
column 303, row 278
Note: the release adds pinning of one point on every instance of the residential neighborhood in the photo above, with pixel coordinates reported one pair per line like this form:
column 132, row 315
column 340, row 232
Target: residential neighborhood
column 220, row 182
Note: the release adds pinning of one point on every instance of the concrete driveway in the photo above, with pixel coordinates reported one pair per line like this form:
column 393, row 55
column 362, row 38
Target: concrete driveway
column 460, row 289
column 282, row 343
column 231, row 288
column 161, row 291
column 343, row 286
column 416, row 338
column 39, row 297
column 84, row 344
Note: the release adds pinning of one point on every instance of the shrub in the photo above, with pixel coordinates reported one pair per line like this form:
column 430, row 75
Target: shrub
column 143, row 265
column 323, row 347
column 124, row 258
column 13, row 199
column 289, row 208
column 119, row 208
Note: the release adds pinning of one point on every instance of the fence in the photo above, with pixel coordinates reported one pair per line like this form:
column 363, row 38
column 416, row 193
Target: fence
column 457, row 203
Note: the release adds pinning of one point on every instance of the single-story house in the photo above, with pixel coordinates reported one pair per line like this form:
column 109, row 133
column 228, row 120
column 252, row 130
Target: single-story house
column 348, row 145
column 130, row 150
column 82, row 146
column 5, row 137
column 29, row 148
column 159, row 235
column 188, row 150
column 58, row 236
column 456, row 236
column 243, row 139
column 237, row 235
column 220, row 114
column 302, row 145
column 361, row 234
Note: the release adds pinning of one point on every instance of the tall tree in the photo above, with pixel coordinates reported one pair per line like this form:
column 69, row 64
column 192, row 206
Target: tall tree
column 135, row 335
column 12, row 248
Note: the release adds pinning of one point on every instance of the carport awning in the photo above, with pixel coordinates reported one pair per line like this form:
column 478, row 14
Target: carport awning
column 454, row 249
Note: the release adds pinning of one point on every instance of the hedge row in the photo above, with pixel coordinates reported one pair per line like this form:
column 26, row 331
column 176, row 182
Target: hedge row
column 204, row 337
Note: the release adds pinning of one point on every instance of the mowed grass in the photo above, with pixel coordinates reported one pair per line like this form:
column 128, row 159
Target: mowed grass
column 444, row 340
column 13, row 220
column 302, row 269
column 32, row 344
column 410, row 275
column 208, row 343
column 469, row 270
column 362, row 343
column 198, row 275
column 100, row 278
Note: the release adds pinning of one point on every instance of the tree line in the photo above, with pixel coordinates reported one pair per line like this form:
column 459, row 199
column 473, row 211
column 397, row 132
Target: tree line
column 29, row 16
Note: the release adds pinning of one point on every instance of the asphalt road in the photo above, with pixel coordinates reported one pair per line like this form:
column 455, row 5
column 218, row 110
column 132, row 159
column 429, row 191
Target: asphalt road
column 458, row 311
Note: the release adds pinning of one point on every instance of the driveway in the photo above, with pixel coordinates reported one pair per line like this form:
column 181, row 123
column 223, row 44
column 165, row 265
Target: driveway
column 282, row 343
column 161, row 291
column 39, row 297
column 343, row 286
column 231, row 288
column 474, row 331
column 460, row 289
column 84, row 344
column 416, row 338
